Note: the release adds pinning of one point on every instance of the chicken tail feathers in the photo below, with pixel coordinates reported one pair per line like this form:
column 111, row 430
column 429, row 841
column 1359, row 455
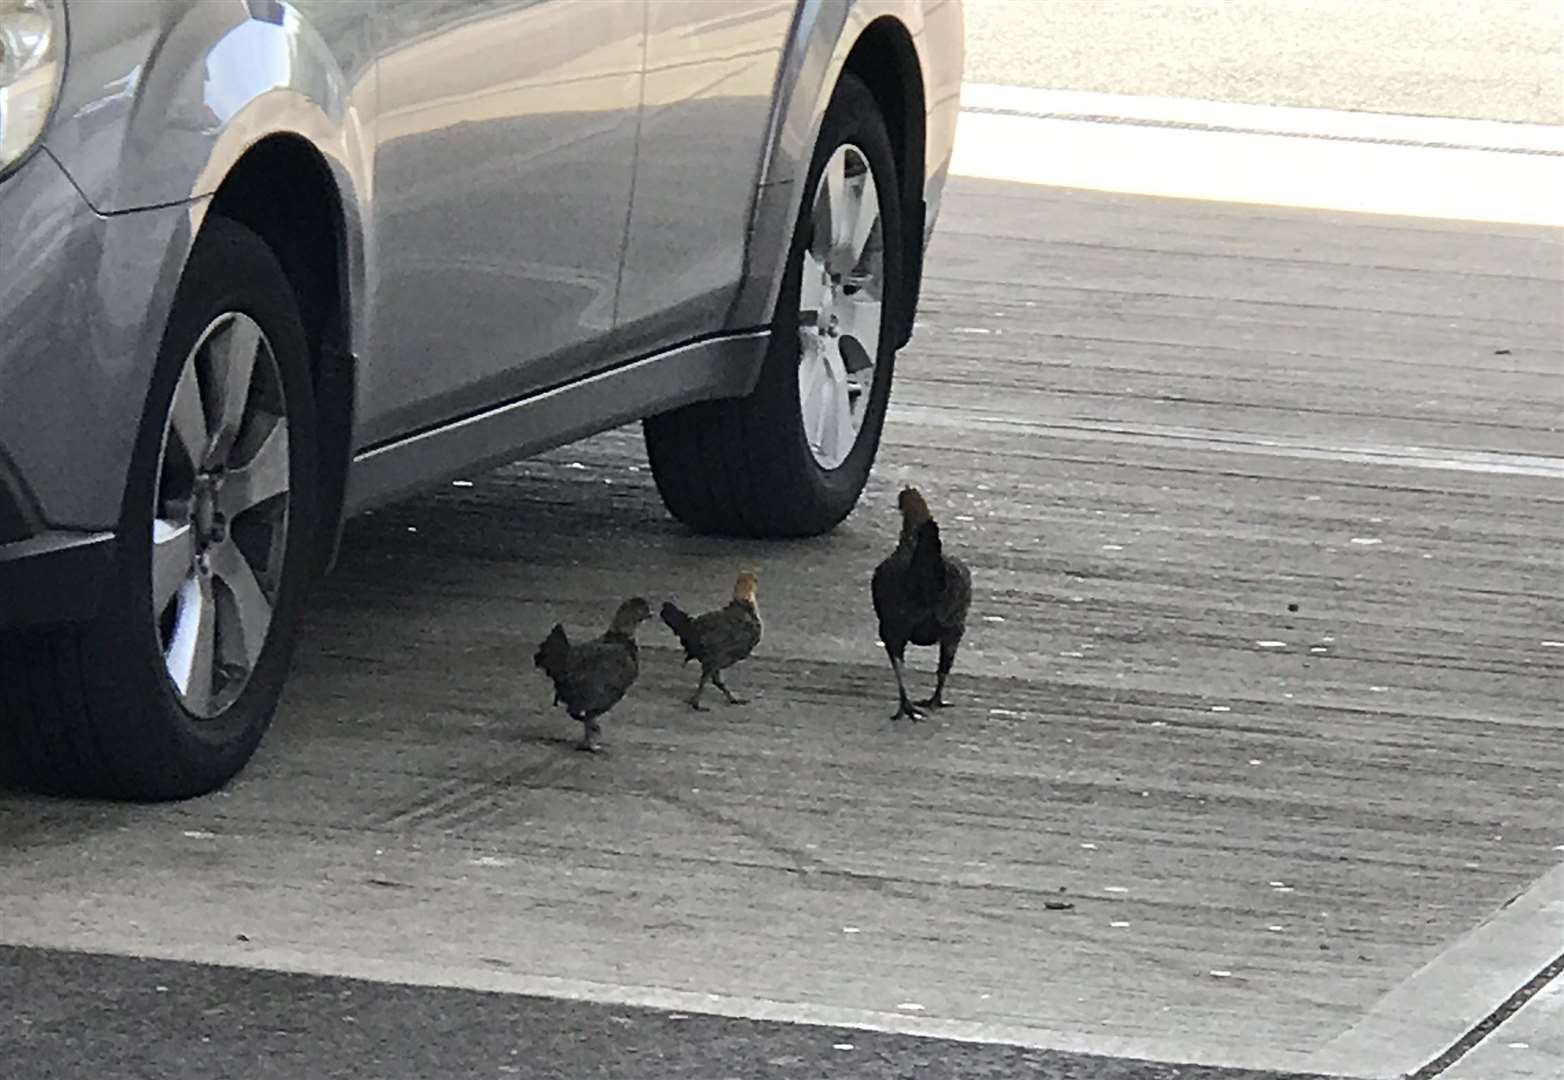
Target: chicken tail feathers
column 681, row 624
column 926, row 568
column 552, row 654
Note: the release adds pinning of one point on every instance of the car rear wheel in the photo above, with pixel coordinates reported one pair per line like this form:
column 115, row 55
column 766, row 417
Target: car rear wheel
column 792, row 458
column 167, row 692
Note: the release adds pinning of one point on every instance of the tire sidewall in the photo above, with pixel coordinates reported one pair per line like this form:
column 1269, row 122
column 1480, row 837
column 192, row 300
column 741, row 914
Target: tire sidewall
column 167, row 751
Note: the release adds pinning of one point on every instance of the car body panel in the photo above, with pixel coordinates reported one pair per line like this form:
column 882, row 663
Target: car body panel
column 711, row 70
column 506, row 146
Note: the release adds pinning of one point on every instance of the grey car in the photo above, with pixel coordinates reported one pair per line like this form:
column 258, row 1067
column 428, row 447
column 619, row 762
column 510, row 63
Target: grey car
column 265, row 264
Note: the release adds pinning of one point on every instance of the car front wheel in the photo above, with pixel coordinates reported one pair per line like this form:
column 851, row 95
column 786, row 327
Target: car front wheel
column 793, row 457
column 167, row 692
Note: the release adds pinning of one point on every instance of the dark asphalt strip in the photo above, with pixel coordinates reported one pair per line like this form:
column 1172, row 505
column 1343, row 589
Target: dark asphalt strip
column 67, row 1014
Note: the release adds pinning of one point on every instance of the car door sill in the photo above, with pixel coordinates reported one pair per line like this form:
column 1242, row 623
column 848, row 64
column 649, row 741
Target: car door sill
column 713, row 367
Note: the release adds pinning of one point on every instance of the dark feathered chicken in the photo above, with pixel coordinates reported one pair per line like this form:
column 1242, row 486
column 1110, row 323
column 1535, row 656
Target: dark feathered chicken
column 718, row 639
column 591, row 676
column 921, row 596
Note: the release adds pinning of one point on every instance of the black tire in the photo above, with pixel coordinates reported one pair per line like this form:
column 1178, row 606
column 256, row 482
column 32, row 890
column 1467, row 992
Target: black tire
column 89, row 709
column 743, row 467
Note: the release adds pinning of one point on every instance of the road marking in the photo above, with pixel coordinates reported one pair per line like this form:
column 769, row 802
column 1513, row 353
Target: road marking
column 1410, row 457
column 1267, row 155
column 1433, row 1009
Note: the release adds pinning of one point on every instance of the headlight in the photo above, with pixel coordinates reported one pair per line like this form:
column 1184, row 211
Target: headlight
column 32, row 62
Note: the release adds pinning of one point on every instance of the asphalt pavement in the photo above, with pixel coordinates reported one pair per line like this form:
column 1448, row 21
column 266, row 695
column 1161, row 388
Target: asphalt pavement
column 1256, row 722
column 113, row 1018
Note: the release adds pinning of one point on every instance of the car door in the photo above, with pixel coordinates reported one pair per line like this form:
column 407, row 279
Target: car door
column 506, row 140
column 710, row 73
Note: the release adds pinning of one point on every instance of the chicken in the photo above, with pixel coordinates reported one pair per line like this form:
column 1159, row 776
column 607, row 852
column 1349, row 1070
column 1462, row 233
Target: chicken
column 921, row 596
column 590, row 677
column 718, row 639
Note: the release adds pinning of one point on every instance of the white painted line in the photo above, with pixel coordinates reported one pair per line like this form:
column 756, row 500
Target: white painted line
column 1527, row 1046
column 1429, row 1012
column 487, row 980
column 1411, row 457
column 1273, row 119
column 1444, row 180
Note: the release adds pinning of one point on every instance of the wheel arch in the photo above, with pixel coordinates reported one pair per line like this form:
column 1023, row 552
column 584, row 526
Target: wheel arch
column 886, row 59
column 877, row 40
column 283, row 189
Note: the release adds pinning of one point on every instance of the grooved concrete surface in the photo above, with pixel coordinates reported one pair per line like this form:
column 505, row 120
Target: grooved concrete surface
column 1264, row 512
column 1502, row 60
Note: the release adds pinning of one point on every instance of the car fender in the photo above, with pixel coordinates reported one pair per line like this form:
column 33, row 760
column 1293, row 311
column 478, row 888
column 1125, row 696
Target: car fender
column 161, row 101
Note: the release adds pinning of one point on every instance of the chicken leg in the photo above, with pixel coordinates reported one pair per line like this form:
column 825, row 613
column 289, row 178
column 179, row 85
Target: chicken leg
column 591, row 736
column 904, row 706
column 716, row 678
column 947, row 660
column 695, row 698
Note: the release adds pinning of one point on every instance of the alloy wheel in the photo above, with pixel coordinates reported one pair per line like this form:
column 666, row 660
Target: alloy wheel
column 841, row 302
column 220, row 514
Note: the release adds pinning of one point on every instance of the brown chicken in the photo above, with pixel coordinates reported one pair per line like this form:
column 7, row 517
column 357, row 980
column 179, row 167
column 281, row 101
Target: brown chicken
column 718, row 639
column 921, row 596
column 590, row 677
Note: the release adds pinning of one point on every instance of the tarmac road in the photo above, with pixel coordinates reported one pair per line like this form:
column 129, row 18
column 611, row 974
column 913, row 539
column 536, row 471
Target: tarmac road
column 1262, row 683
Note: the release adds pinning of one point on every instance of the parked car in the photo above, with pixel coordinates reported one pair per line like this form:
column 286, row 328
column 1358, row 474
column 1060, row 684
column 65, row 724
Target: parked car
column 264, row 264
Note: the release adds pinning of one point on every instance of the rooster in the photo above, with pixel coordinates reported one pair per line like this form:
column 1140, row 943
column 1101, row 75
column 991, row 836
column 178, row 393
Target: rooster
column 718, row 639
column 921, row 596
column 590, row 677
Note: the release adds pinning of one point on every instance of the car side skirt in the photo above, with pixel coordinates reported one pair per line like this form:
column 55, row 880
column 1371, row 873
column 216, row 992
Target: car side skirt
column 723, row 366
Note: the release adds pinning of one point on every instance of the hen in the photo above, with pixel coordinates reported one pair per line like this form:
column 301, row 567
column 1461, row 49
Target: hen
column 718, row 639
column 921, row 596
column 590, row 677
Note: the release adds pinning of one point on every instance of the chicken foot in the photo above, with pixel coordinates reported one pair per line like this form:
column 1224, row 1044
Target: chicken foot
column 904, row 706
column 947, row 659
column 591, row 736
column 716, row 678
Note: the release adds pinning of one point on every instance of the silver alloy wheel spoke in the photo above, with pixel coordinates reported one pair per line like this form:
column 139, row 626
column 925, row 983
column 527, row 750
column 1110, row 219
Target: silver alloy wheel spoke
column 263, row 477
column 811, row 290
column 860, row 321
column 840, row 431
column 863, row 213
column 252, row 611
column 840, row 306
column 830, row 206
column 220, row 514
column 173, row 560
column 192, row 649
column 231, row 354
column 814, row 370
column 843, row 210
column 187, row 418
